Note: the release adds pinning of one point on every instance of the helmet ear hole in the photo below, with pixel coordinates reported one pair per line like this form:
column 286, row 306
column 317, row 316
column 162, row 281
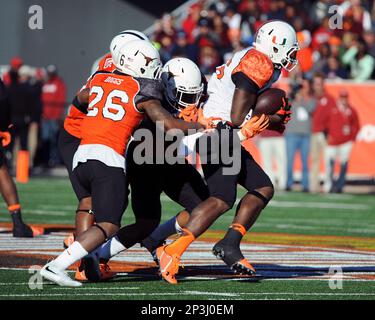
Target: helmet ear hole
column 275, row 50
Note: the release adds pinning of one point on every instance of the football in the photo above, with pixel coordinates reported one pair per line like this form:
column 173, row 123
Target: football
column 269, row 101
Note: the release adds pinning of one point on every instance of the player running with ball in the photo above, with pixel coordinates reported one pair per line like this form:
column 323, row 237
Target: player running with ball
column 233, row 92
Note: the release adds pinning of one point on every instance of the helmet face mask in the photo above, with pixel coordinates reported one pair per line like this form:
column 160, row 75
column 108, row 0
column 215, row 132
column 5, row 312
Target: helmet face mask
column 290, row 61
column 183, row 84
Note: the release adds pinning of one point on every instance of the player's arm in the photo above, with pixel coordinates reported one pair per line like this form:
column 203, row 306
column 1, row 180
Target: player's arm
column 244, row 97
column 81, row 100
column 156, row 112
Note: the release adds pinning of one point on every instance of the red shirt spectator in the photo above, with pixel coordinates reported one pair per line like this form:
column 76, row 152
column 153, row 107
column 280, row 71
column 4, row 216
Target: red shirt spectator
column 53, row 96
column 342, row 122
column 322, row 111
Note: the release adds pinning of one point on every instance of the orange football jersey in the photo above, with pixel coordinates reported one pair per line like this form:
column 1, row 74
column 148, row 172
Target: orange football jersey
column 112, row 114
column 73, row 120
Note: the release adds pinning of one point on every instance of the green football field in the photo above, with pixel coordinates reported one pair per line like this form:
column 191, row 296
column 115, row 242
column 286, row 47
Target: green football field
column 296, row 245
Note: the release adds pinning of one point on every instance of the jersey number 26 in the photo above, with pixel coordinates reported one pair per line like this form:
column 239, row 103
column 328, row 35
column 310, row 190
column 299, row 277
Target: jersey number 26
column 111, row 110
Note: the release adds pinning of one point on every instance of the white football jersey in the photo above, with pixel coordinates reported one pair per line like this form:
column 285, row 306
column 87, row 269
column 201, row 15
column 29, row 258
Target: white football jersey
column 254, row 64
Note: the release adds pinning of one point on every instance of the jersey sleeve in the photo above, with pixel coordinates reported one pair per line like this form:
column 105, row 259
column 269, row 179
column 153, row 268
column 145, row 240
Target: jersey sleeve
column 150, row 89
column 254, row 66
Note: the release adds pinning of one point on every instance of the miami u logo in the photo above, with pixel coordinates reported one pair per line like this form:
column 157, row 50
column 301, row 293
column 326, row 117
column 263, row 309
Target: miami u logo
column 281, row 44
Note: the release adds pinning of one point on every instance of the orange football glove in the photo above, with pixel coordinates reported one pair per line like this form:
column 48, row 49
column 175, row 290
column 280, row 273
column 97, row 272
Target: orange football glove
column 209, row 123
column 189, row 114
column 285, row 111
column 5, row 138
column 254, row 126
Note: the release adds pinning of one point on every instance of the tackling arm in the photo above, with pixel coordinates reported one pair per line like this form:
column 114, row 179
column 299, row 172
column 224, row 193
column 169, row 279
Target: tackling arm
column 156, row 112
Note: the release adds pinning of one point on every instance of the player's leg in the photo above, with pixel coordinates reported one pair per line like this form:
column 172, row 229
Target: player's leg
column 222, row 190
column 184, row 185
column 145, row 200
column 9, row 193
column 260, row 192
column 107, row 186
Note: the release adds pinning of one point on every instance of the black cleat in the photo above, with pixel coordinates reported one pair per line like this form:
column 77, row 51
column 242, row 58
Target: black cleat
column 90, row 265
column 233, row 258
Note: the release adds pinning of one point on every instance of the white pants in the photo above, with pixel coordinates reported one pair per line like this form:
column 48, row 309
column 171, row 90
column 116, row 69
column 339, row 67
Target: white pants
column 274, row 150
column 332, row 153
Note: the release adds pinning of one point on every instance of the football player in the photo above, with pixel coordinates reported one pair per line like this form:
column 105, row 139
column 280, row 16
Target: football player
column 7, row 187
column 117, row 103
column 233, row 91
column 70, row 138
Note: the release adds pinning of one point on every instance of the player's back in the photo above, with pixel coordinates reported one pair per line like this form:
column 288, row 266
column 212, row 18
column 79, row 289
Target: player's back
column 74, row 118
column 112, row 115
column 253, row 65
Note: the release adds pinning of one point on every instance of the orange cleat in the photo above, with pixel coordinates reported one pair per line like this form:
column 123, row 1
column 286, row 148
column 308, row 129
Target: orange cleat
column 37, row 231
column 168, row 265
column 80, row 275
column 243, row 267
column 68, row 241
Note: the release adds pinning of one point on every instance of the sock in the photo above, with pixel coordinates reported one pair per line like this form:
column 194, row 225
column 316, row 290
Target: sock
column 164, row 230
column 15, row 212
column 110, row 248
column 74, row 253
column 234, row 234
column 180, row 245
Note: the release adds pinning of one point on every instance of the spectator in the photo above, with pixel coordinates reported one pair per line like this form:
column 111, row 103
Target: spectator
column 22, row 103
column 333, row 69
column 318, row 140
column 356, row 17
column 361, row 63
column 272, row 149
column 36, row 89
column 369, row 37
column 11, row 77
column 183, row 49
column 53, row 99
column 342, row 129
column 298, row 132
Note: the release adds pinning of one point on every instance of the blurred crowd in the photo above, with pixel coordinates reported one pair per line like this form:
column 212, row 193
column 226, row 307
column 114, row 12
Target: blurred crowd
column 335, row 47
column 213, row 30
column 37, row 98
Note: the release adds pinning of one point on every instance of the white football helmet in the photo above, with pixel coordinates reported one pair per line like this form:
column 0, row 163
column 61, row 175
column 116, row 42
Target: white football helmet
column 278, row 40
column 182, row 80
column 138, row 58
column 124, row 37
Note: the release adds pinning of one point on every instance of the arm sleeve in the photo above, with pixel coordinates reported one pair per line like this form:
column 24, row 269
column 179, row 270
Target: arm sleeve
column 241, row 81
column 150, row 89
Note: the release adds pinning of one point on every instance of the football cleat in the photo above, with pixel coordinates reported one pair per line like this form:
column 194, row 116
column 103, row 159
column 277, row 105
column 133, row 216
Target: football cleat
column 68, row 241
column 168, row 265
column 37, row 231
column 90, row 265
column 80, row 275
column 60, row 277
column 233, row 258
